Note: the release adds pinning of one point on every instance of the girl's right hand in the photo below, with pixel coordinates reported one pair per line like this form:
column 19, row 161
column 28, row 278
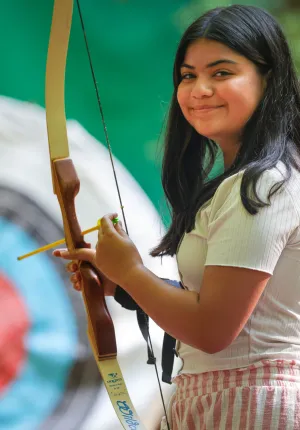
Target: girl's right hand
column 75, row 278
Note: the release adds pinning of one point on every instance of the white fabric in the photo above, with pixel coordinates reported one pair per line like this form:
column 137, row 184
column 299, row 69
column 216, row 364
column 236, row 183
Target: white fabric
column 226, row 234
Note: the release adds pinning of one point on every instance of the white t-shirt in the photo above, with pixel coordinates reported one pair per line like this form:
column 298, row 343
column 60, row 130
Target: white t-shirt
column 226, row 234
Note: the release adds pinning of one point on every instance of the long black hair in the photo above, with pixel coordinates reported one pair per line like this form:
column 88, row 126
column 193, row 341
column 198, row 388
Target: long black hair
column 271, row 134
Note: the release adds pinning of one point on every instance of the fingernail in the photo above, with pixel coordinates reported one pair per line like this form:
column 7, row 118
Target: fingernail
column 56, row 253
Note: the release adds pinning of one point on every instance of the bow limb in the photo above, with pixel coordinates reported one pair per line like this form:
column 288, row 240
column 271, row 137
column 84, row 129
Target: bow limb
column 66, row 186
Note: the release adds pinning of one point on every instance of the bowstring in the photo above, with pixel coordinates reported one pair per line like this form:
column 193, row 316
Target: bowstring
column 116, row 179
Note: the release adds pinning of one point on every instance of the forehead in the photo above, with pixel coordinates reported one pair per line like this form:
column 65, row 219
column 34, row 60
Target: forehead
column 204, row 51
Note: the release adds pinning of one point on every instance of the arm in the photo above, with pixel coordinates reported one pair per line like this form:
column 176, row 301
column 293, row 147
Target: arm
column 209, row 321
column 127, row 302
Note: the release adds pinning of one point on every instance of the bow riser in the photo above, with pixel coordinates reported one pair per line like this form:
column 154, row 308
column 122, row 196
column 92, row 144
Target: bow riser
column 101, row 328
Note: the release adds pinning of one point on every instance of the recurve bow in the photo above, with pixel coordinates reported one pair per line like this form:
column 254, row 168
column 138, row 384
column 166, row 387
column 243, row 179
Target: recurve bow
column 66, row 186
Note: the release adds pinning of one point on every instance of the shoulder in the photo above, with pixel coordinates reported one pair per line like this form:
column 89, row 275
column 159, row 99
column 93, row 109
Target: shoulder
column 230, row 189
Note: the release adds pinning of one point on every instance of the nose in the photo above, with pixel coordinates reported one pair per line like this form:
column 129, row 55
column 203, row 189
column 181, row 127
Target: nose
column 202, row 88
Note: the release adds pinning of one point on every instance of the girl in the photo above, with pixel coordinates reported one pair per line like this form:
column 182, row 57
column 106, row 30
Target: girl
column 236, row 236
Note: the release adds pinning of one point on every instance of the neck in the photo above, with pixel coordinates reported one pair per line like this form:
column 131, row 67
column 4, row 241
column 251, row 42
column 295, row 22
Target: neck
column 229, row 158
column 229, row 149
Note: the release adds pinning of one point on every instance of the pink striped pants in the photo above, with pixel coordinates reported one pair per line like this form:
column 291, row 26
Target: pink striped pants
column 263, row 396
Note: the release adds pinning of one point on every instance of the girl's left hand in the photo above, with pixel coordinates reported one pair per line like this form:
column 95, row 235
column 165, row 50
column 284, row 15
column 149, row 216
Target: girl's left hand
column 115, row 256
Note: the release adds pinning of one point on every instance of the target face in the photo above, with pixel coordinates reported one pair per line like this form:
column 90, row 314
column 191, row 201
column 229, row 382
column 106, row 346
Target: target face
column 42, row 327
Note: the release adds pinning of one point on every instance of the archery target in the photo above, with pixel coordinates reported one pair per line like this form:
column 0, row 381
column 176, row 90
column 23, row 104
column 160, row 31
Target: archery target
column 52, row 358
column 48, row 378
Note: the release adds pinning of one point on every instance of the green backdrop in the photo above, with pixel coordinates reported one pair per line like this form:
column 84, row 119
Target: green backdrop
column 132, row 46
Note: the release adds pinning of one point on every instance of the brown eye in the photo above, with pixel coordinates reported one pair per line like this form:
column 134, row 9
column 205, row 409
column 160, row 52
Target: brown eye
column 222, row 73
column 187, row 76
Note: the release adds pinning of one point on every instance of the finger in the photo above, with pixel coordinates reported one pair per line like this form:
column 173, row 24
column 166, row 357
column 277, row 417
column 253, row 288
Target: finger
column 76, row 281
column 76, row 277
column 72, row 267
column 112, row 216
column 107, row 226
column 77, row 286
column 73, row 279
column 120, row 230
column 81, row 254
column 120, row 224
column 100, row 233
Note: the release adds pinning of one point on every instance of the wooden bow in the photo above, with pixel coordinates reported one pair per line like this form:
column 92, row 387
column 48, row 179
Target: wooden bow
column 66, row 186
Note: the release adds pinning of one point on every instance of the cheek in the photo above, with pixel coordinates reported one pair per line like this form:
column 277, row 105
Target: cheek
column 182, row 98
column 243, row 96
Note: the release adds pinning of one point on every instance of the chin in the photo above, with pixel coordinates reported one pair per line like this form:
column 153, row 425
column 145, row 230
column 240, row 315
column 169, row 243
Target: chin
column 207, row 132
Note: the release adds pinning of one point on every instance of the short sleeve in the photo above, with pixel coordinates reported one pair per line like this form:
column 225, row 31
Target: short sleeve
column 238, row 239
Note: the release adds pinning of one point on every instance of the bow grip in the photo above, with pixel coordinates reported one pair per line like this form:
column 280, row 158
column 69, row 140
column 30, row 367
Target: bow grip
column 67, row 185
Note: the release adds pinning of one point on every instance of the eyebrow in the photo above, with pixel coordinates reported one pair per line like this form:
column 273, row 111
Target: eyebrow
column 214, row 63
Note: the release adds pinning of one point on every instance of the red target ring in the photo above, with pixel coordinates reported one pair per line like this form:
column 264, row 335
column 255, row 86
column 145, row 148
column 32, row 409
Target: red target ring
column 14, row 324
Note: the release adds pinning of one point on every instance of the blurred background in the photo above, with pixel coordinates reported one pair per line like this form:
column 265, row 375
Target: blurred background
column 48, row 379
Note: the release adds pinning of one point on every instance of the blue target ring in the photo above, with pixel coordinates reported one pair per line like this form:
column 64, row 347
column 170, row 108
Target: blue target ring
column 52, row 339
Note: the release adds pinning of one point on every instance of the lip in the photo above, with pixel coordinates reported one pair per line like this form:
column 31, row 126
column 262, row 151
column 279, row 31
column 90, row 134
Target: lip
column 204, row 108
column 199, row 110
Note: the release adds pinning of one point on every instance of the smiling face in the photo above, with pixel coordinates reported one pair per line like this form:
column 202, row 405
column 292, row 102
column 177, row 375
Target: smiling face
column 219, row 91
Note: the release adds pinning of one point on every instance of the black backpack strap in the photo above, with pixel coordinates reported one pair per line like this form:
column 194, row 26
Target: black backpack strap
column 167, row 359
column 169, row 343
column 124, row 299
column 143, row 322
column 168, row 349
